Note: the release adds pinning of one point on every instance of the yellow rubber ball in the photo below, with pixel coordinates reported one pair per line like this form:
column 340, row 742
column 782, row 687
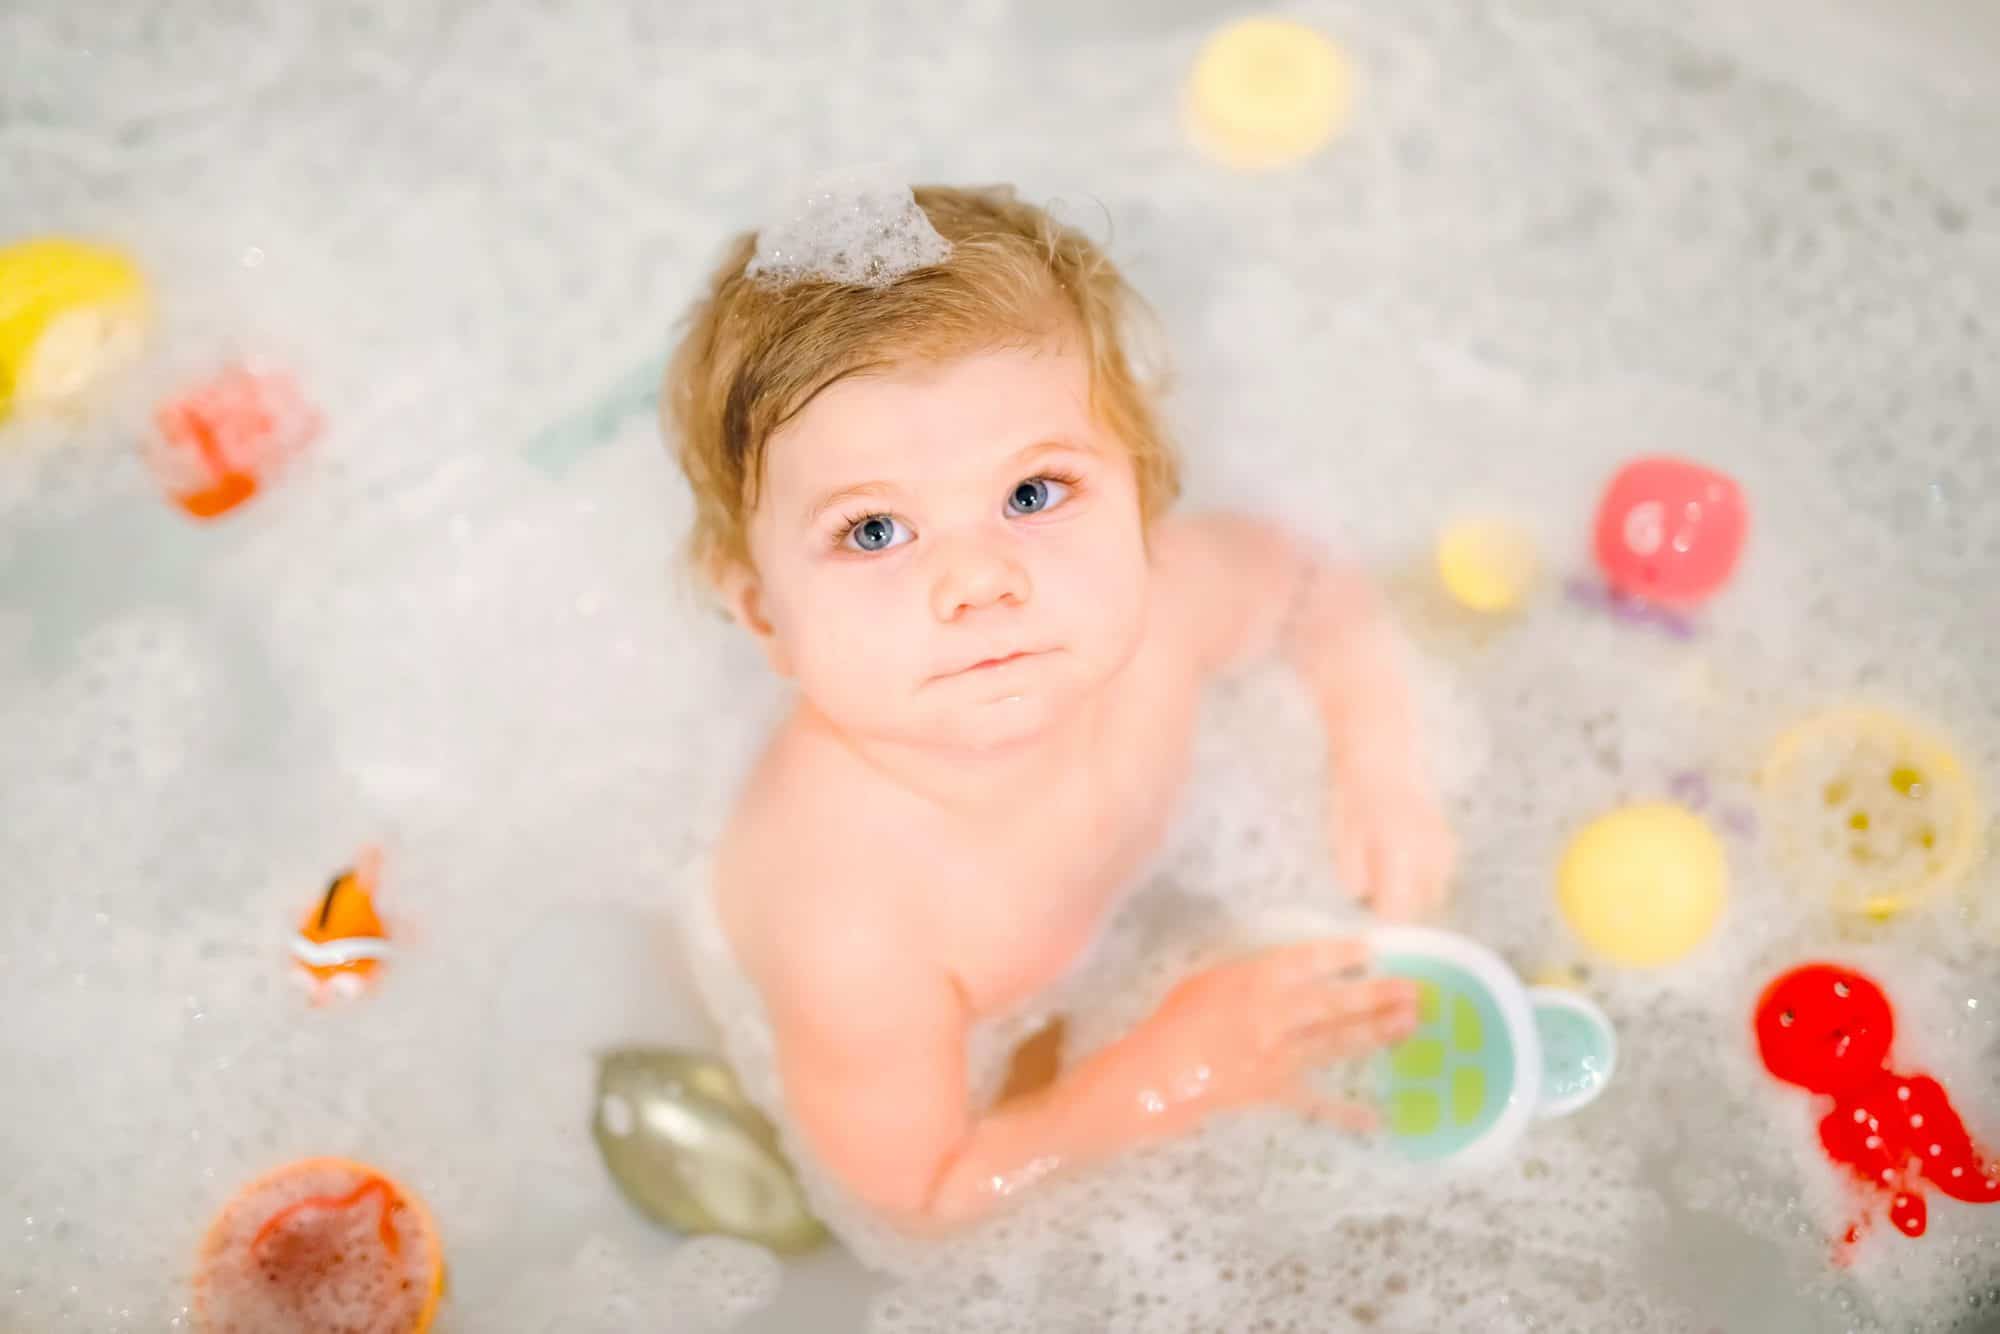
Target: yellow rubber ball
column 1644, row 885
column 1266, row 93
column 69, row 312
column 1487, row 565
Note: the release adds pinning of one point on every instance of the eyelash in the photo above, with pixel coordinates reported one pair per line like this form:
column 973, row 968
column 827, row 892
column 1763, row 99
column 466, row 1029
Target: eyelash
column 1068, row 479
column 849, row 522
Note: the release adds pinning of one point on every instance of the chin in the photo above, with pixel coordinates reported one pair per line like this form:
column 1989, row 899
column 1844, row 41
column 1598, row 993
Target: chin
column 999, row 723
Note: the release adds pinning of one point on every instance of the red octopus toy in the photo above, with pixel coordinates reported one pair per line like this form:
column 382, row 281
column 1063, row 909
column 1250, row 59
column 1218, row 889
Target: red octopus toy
column 1827, row 1029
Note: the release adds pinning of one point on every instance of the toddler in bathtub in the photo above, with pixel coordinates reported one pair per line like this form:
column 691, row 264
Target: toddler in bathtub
column 931, row 487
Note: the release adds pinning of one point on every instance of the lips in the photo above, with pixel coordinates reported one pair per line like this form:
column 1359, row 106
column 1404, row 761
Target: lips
column 991, row 664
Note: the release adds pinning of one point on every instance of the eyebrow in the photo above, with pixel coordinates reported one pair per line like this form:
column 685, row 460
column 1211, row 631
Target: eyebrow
column 1044, row 448
column 865, row 491
column 887, row 490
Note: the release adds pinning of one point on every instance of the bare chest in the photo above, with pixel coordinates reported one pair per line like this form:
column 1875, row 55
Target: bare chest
column 1028, row 902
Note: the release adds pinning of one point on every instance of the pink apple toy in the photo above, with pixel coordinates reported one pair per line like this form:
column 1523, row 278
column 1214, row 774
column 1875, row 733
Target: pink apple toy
column 1670, row 531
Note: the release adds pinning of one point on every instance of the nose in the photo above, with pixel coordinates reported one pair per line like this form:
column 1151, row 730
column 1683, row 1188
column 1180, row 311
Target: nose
column 975, row 575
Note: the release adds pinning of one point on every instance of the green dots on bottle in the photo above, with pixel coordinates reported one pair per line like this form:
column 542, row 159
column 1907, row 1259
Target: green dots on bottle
column 1445, row 1085
column 1467, row 1034
column 1414, row 1112
column 1419, row 1058
column 1427, row 1003
column 1468, row 1094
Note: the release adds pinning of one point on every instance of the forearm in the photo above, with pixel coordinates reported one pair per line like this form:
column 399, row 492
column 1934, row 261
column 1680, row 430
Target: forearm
column 1107, row 1104
column 1342, row 645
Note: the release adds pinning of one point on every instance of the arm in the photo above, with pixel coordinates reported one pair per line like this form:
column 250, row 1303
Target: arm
column 875, row 1077
column 1252, row 590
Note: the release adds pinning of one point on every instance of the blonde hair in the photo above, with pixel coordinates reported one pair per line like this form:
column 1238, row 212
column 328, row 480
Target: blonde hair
column 754, row 353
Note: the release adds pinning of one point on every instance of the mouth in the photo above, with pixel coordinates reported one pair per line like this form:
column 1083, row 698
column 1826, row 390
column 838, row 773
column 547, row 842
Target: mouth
column 992, row 664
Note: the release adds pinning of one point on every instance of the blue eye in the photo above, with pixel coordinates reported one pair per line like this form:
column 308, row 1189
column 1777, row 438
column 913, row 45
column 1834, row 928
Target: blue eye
column 877, row 532
column 1037, row 494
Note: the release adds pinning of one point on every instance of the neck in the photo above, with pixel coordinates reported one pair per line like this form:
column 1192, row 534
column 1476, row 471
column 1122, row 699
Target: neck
column 978, row 780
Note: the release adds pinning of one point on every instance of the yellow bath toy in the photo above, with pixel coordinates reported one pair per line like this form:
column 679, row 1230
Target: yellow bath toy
column 1874, row 810
column 1559, row 977
column 1643, row 885
column 1266, row 93
column 1487, row 565
column 69, row 312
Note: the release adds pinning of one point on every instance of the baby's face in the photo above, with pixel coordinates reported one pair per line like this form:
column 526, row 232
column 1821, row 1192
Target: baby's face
column 950, row 554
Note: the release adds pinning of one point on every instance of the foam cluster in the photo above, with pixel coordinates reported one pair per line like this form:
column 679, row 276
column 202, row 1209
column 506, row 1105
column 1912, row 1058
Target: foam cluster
column 861, row 233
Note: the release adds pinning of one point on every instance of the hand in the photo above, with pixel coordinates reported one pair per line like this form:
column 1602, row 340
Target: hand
column 1250, row 1032
column 1391, row 844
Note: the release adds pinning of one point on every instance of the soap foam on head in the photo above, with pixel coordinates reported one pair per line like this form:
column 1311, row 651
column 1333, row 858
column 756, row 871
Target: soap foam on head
column 851, row 230
column 1555, row 237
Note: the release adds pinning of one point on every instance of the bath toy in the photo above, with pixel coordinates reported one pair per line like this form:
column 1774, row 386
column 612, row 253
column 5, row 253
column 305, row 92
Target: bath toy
column 69, row 313
column 1828, row 1029
column 320, row 1245
column 1874, row 810
column 1629, row 610
column 1669, row 530
column 220, row 440
column 689, row 1150
column 1559, row 977
column 1690, row 788
column 1487, row 565
column 1489, row 1055
column 558, row 446
column 341, row 943
column 1643, row 885
column 1267, row 93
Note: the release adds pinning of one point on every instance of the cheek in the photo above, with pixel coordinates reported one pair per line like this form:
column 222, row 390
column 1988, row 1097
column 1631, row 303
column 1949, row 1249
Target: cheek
column 1095, row 578
column 849, row 632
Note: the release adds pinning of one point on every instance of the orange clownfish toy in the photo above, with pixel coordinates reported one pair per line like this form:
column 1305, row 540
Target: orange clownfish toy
column 341, row 943
column 222, row 439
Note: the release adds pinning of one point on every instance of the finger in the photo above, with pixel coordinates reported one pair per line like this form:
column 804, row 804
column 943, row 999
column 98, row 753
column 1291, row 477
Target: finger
column 1357, row 1117
column 1355, row 1035
column 1431, row 857
column 1313, row 962
column 1323, row 1007
column 1327, row 1048
column 1437, row 890
column 1350, row 859
column 1382, row 888
column 1397, row 893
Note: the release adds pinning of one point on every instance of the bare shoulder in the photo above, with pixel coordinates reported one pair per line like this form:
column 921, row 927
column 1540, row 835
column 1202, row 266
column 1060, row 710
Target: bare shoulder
column 1225, row 580
column 810, row 902
column 1204, row 548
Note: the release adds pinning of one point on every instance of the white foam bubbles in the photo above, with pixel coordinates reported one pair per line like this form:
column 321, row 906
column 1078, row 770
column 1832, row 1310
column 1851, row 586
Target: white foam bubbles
column 855, row 230
column 714, row 1283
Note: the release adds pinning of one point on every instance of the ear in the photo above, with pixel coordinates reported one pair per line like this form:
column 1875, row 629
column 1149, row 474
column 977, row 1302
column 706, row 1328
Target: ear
column 743, row 596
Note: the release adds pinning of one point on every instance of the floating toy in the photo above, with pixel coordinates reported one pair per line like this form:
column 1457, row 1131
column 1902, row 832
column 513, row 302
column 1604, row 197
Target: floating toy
column 341, row 943
column 220, row 440
column 1643, row 885
column 689, row 1150
column 1873, row 809
column 1267, row 93
column 70, row 313
column 1629, row 610
column 320, row 1245
column 1487, row 565
column 1669, row 530
column 557, row 447
column 1690, row 788
column 1827, row 1029
column 1489, row 1054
